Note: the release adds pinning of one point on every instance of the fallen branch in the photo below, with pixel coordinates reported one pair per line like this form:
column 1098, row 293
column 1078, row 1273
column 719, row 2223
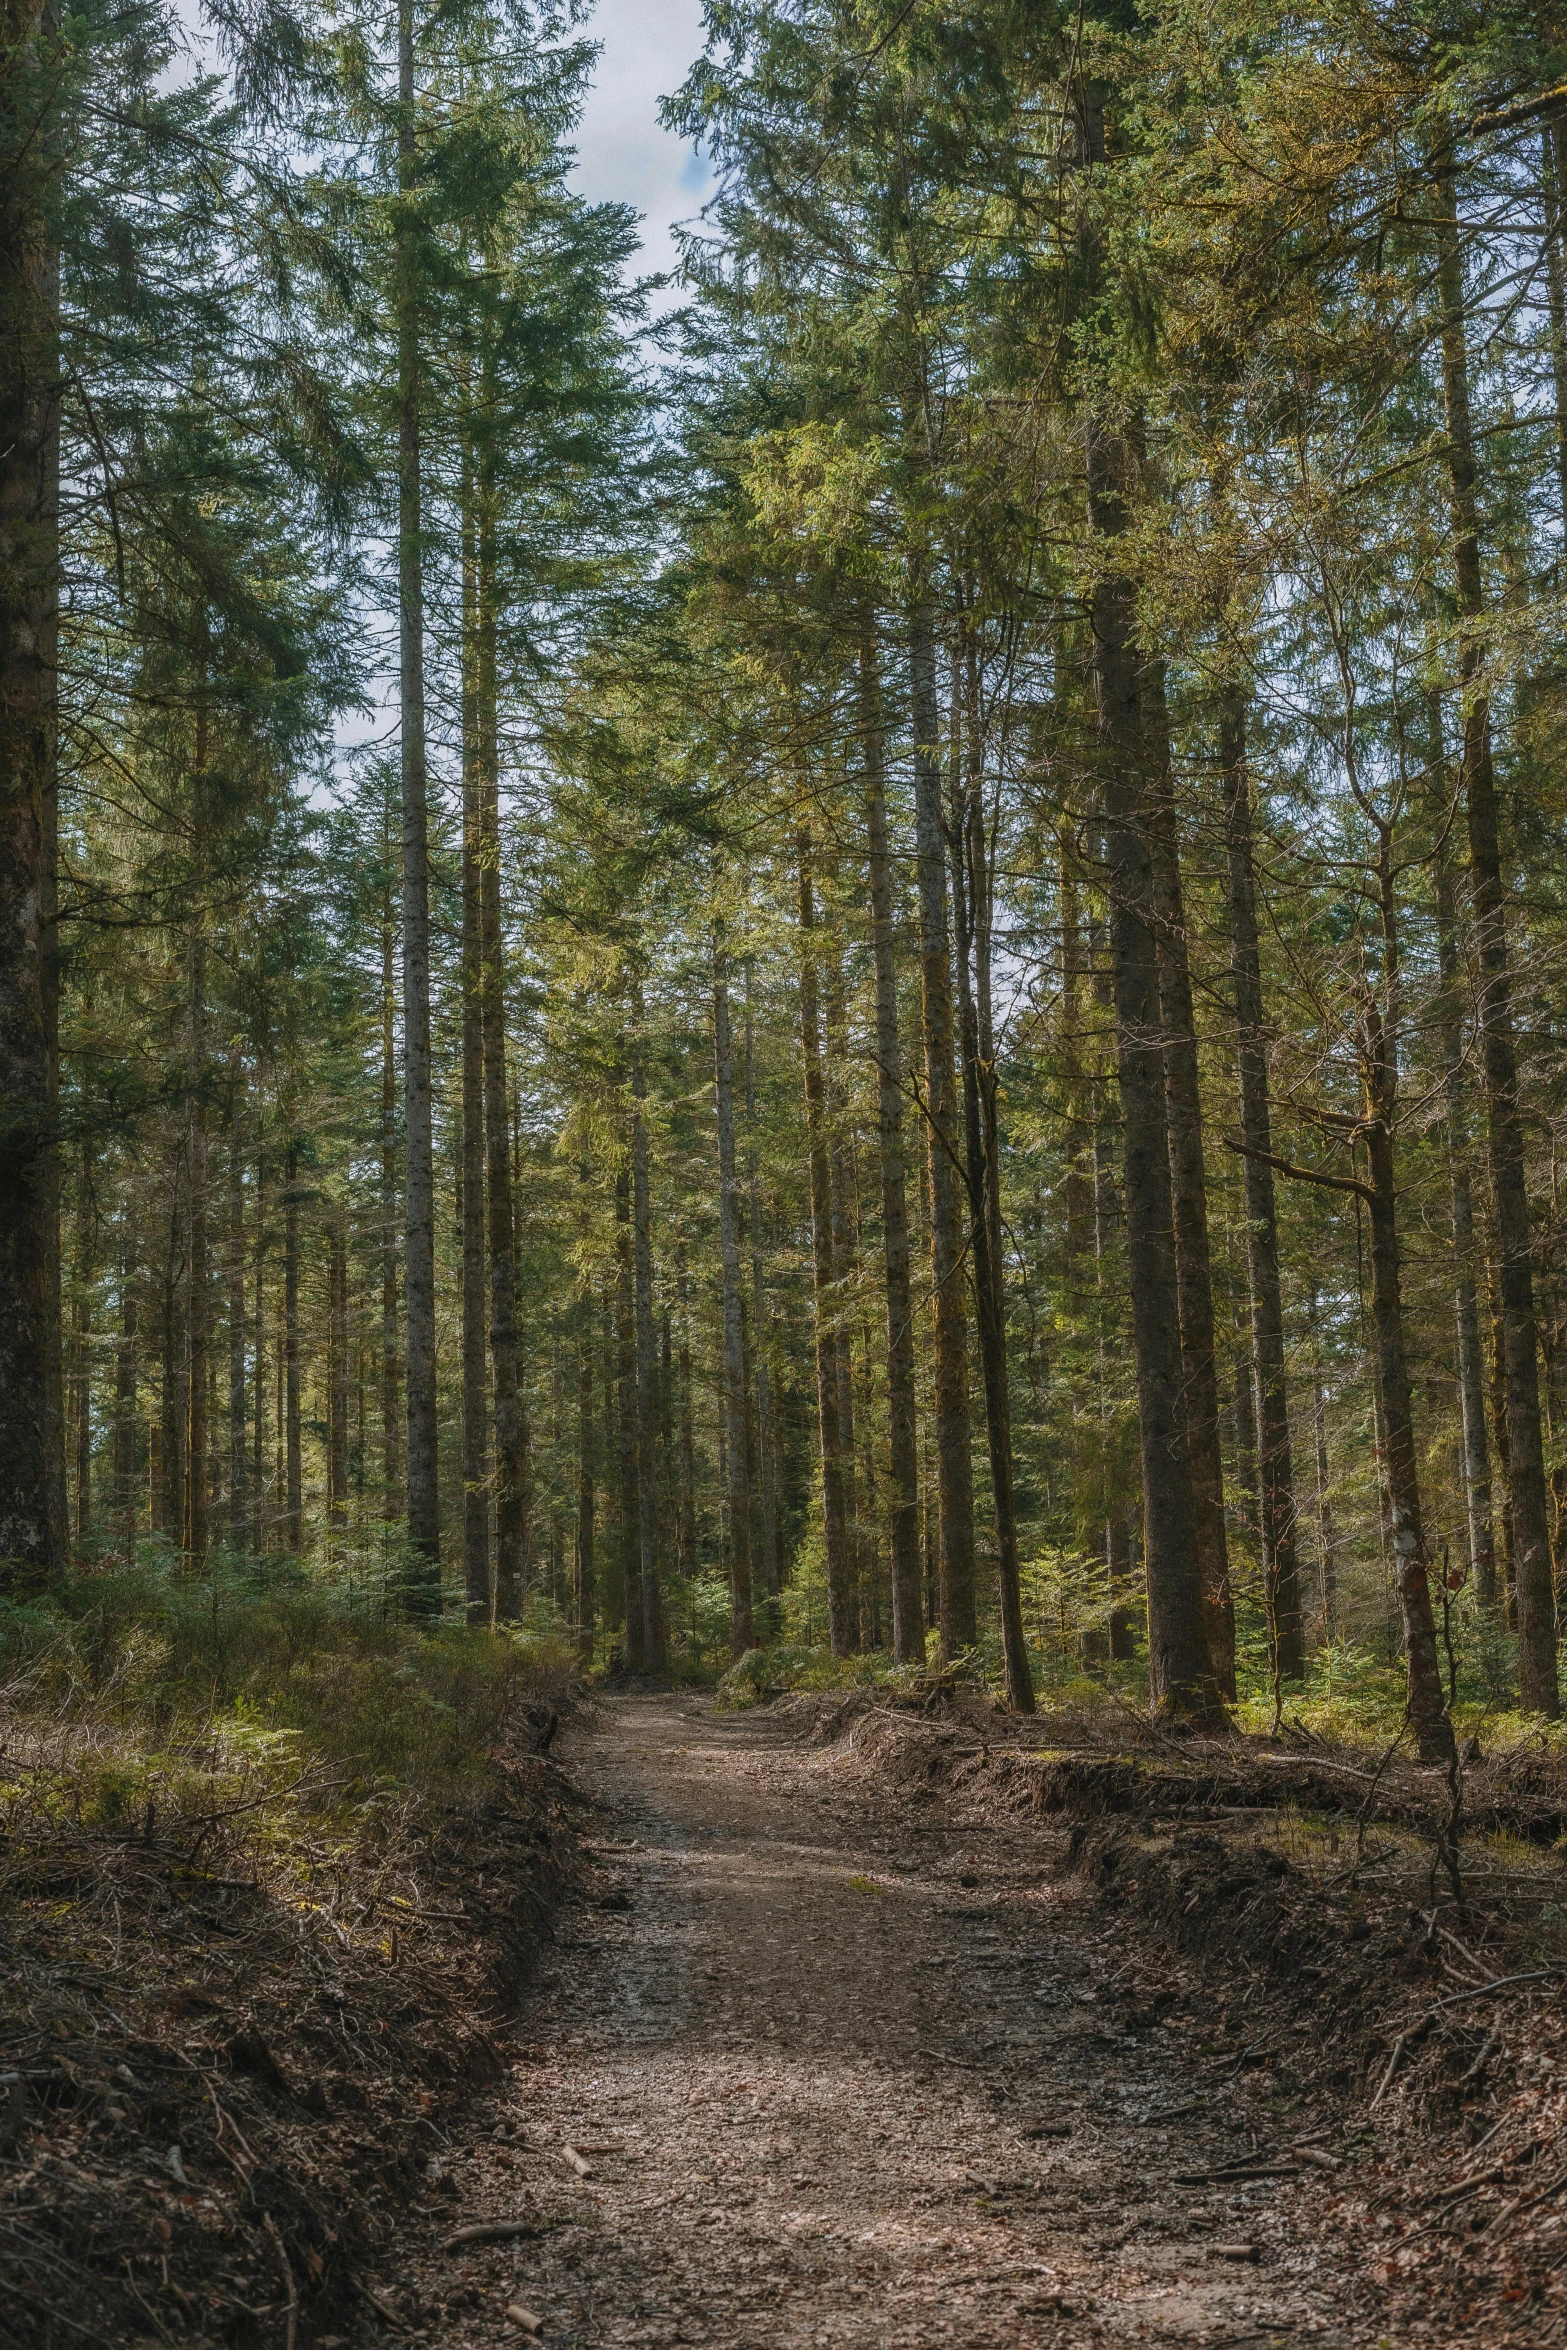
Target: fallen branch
column 1543, row 1974
column 502, row 2231
column 291, row 2322
column 383, row 2309
column 1235, row 2171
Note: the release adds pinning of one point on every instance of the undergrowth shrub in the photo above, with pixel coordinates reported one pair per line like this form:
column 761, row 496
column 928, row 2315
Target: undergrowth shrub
column 135, row 1686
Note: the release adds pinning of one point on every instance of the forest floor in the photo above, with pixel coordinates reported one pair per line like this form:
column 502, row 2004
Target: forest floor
column 848, row 2020
column 827, row 2057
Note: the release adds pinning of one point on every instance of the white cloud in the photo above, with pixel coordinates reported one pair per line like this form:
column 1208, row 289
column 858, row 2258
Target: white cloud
column 623, row 152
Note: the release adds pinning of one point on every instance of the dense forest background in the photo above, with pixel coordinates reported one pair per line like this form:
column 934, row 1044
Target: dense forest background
column 938, row 1031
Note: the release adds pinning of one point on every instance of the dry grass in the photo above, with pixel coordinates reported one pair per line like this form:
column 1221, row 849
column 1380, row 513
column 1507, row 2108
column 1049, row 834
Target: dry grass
column 267, row 1868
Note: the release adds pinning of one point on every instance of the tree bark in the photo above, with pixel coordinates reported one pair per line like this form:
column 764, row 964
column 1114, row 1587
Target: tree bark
column 1180, row 1669
column 842, row 1190
column 198, row 1310
column 1427, row 1703
column 971, row 905
column 258, row 1463
column 1077, row 1188
column 1327, row 1537
column 950, row 1397
column 585, row 1596
column 239, row 1449
column 81, row 1348
column 767, row 1461
column 686, row 1534
column 1471, row 1359
column 391, row 1456
column 337, row 1369
column 1275, row 1470
column 908, row 1626
column 1110, row 1286
column 1553, row 166
column 423, row 1595
column 125, row 1401
column 1526, row 1457
column 294, row 1507
column 840, row 1596
column 477, row 1593
column 626, row 1421
column 647, row 1364
column 513, row 1498
column 1189, row 1199
column 32, row 1473
column 742, row 1630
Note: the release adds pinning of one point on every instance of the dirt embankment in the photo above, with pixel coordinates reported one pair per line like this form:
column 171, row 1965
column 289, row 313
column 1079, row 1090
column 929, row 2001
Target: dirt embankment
column 1413, row 1989
column 224, row 2073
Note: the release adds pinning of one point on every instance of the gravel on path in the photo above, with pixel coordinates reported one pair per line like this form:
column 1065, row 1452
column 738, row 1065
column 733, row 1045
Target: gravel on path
column 819, row 2067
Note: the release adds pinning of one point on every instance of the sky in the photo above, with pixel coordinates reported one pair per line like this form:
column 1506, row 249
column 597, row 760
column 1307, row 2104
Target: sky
column 623, row 153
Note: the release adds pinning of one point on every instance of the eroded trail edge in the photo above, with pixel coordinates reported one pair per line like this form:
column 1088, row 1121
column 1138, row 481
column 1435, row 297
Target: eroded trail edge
column 814, row 2067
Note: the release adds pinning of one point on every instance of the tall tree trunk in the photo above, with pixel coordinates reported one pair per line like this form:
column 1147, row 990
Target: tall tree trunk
column 1275, row 1470
column 391, row 1451
column 950, row 1397
column 337, row 1369
column 1189, row 1210
column 626, row 1422
column 1526, row 1456
column 477, row 1593
column 512, row 1495
column 1553, row 167
column 239, row 1448
column 585, row 1597
column 840, row 1598
column 174, row 1425
column 1327, row 1537
column 294, row 1504
column 845, row 1254
column 742, row 1630
column 1109, row 1287
column 647, row 1366
column 125, row 1400
column 280, row 1412
column 258, row 1459
column 872, row 1612
column 767, row 1460
column 686, row 1537
column 199, row 1304
column 1496, row 1402
column 908, row 1628
column 612, row 1598
column 1427, row 1703
column 523, row 1452
column 971, row 922
column 1078, row 1139
column 423, row 1456
column 1471, row 1358
column 81, row 1347
column 1180, row 1669
column 32, row 1468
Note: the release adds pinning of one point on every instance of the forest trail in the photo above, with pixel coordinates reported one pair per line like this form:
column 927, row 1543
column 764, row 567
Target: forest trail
column 843, row 2074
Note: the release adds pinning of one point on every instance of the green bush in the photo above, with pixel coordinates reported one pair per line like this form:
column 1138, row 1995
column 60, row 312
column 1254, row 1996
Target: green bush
column 274, row 1674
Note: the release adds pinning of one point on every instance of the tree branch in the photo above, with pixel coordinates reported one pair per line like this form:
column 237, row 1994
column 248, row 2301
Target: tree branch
column 1288, row 1167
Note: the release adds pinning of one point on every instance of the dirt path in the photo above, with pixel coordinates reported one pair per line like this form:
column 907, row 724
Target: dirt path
column 844, row 2078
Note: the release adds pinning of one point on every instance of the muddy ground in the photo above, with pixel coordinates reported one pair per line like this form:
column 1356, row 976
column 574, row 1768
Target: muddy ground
column 823, row 2057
